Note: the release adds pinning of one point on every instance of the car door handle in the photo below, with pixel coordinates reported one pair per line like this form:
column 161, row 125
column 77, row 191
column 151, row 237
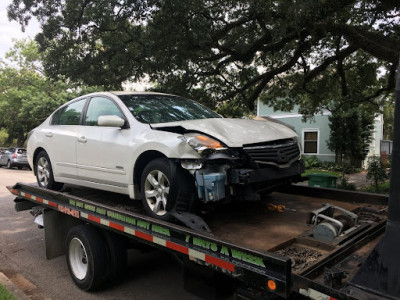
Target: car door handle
column 49, row 134
column 82, row 139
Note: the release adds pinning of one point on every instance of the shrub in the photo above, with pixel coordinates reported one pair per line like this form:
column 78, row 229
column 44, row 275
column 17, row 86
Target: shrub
column 344, row 184
column 376, row 171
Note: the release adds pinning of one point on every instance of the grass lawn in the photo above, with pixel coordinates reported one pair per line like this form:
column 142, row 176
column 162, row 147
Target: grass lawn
column 5, row 294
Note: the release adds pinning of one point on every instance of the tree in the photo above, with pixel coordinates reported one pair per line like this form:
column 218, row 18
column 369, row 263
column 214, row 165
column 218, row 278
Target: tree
column 27, row 96
column 376, row 171
column 388, row 117
column 236, row 50
column 350, row 136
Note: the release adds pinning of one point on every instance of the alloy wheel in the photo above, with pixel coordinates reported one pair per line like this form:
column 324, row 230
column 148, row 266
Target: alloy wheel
column 43, row 171
column 156, row 192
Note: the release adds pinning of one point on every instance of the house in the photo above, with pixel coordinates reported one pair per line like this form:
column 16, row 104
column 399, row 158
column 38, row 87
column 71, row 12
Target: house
column 314, row 134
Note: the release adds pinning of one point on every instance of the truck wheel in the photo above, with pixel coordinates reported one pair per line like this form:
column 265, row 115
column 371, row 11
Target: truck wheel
column 117, row 255
column 86, row 256
column 44, row 172
column 165, row 187
column 9, row 165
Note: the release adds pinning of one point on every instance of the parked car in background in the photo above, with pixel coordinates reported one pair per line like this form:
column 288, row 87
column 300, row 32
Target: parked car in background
column 168, row 151
column 14, row 157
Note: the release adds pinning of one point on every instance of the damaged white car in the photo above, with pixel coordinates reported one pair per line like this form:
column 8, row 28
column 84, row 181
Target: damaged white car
column 168, row 151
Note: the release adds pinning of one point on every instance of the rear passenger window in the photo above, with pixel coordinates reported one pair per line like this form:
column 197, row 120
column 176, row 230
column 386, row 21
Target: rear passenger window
column 70, row 114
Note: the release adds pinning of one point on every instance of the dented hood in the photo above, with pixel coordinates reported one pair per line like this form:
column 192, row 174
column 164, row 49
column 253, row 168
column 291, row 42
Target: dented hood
column 233, row 132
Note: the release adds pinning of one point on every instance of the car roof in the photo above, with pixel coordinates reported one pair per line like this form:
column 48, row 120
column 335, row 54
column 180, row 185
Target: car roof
column 118, row 93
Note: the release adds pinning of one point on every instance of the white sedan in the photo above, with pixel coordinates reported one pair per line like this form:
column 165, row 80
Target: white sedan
column 168, row 151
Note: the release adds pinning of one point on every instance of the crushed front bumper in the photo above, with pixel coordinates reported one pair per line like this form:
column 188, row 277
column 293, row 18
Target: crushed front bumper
column 249, row 176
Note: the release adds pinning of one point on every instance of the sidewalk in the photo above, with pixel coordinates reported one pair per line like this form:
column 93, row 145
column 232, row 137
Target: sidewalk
column 359, row 179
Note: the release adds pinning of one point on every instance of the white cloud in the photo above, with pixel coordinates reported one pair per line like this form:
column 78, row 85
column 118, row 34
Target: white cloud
column 10, row 31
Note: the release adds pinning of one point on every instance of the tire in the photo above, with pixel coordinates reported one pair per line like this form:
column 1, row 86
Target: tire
column 44, row 172
column 165, row 187
column 87, row 257
column 117, row 255
column 9, row 165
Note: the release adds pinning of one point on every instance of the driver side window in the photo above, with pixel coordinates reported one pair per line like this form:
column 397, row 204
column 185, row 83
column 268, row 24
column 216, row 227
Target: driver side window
column 99, row 106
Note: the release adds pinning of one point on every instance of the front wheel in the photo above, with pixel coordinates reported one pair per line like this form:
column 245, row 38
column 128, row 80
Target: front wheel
column 165, row 187
column 44, row 172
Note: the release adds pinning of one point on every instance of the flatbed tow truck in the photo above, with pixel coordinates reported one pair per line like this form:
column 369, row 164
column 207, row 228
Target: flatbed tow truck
column 288, row 244
column 301, row 242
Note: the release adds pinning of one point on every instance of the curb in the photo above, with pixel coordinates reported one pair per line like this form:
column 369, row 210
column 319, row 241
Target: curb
column 12, row 288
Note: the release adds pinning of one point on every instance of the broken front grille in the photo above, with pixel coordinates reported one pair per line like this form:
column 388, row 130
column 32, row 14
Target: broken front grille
column 281, row 152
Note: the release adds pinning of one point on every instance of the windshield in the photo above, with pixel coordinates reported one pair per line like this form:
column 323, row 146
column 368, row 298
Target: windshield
column 153, row 108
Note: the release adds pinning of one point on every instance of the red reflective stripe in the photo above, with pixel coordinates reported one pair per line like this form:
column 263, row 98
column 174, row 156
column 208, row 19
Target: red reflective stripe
column 331, row 298
column 94, row 219
column 144, row 236
column 220, row 263
column 177, row 247
column 15, row 192
column 53, row 204
column 39, row 199
column 117, row 226
column 28, row 196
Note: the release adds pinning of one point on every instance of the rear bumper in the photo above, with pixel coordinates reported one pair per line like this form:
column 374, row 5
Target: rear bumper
column 19, row 163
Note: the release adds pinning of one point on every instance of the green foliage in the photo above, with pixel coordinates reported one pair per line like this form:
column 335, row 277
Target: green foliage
column 286, row 52
column 344, row 184
column 3, row 138
column 27, row 96
column 350, row 136
column 5, row 294
column 376, row 172
column 388, row 116
column 383, row 188
column 311, row 162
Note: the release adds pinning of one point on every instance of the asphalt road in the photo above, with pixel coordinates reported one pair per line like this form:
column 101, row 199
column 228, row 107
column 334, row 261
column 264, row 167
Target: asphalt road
column 154, row 275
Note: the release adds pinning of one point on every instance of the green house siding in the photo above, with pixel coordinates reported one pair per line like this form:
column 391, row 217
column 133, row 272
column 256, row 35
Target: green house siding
column 320, row 124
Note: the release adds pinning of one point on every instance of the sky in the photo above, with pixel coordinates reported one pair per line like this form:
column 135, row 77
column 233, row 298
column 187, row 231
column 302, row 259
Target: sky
column 12, row 30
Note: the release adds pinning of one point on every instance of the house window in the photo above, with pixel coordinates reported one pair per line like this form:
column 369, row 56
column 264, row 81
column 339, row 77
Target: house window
column 310, row 145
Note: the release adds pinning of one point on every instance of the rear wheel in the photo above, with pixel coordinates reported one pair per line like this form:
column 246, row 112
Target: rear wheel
column 44, row 172
column 117, row 255
column 86, row 257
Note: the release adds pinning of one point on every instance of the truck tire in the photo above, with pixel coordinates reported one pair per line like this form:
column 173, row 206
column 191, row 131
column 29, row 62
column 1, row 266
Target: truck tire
column 166, row 187
column 117, row 255
column 44, row 172
column 86, row 256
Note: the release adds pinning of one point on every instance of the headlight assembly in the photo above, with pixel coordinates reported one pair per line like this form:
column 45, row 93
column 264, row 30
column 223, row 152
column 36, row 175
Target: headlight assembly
column 202, row 143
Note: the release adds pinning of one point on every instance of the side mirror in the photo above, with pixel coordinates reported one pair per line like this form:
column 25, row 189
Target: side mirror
column 110, row 121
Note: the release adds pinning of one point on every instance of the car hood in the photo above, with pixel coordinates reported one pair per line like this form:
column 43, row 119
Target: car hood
column 233, row 132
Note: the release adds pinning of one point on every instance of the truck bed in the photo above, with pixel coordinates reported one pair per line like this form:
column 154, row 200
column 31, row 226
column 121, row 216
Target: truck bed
column 247, row 238
column 259, row 227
